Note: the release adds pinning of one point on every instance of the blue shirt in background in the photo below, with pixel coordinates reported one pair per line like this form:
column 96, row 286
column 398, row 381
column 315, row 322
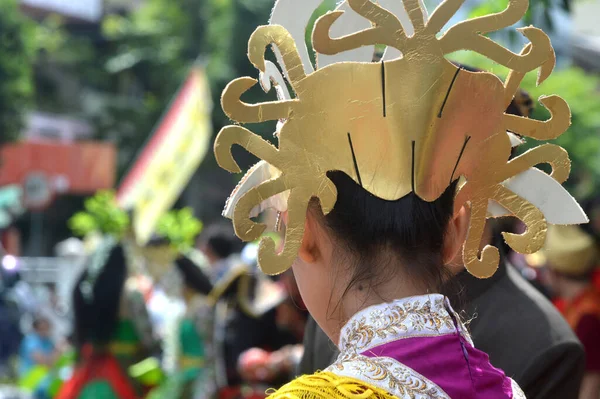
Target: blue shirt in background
column 33, row 343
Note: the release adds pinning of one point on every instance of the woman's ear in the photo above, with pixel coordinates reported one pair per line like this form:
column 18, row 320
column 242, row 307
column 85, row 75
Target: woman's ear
column 455, row 237
column 309, row 248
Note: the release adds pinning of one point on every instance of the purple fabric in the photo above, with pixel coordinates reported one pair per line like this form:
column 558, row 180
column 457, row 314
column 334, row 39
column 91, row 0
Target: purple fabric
column 450, row 362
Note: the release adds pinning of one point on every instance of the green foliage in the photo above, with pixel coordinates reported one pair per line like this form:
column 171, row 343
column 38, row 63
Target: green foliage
column 539, row 12
column 180, row 227
column 17, row 41
column 231, row 22
column 582, row 140
column 122, row 76
column 136, row 64
column 131, row 69
column 150, row 54
column 102, row 214
column 165, row 34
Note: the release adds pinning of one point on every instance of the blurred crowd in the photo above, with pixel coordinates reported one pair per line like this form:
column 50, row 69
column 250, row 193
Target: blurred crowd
column 247, row 329
column 258, row 321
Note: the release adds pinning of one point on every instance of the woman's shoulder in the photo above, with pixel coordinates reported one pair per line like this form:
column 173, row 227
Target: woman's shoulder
column 329, row 385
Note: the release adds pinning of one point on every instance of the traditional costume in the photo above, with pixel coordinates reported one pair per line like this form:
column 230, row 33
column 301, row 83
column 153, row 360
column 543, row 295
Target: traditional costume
column 189, row 345
column 506, row 302
column 188, row 355
column 103, row 367
column 412, row 122
column 245, row 313
column 276, row 364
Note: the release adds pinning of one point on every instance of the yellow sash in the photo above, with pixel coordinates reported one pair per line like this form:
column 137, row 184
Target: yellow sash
column 123, row 348
column 191, row 362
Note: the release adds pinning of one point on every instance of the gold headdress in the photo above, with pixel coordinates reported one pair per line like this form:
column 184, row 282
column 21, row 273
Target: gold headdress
column 413, row 122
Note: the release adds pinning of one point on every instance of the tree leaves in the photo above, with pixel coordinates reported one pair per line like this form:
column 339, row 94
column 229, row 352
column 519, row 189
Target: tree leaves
column 180, row 227
column 102, row 215
column 17, row 41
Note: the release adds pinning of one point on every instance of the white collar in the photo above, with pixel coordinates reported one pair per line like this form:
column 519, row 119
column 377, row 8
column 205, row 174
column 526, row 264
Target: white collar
column 418, row 316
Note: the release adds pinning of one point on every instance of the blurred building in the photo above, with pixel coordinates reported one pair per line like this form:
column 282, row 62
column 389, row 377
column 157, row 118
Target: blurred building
column 121, row 5
column 56, row 159
column 90, row 11
column 56, row 162
column 44, row 126
column 586, row 34
column 78, row 10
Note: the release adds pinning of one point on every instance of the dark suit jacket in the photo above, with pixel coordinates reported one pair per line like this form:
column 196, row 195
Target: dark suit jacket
column 517, row 326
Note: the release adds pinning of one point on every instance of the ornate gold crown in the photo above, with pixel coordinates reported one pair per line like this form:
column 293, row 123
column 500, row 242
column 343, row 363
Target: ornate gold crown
column 413, row 122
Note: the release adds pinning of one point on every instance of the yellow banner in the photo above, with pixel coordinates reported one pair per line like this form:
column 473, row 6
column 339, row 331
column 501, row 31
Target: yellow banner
column 169, row 160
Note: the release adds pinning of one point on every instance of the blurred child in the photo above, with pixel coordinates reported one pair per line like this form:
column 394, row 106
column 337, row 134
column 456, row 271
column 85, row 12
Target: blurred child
column 37, row 354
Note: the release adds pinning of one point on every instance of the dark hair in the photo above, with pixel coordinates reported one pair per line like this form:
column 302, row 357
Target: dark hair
column 220, row 239
column 370, row 229
column 97, row 314
column 193, row 277
column 157, row 240
column 410, row 229
column 38, row 321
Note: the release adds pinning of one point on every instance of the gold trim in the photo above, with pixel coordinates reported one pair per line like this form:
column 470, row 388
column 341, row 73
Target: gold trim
column 191, row 361
column 123, row 348
column 426, row 137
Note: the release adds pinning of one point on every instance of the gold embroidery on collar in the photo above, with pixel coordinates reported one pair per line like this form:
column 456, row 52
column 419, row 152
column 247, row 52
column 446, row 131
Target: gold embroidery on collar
column 420, row 317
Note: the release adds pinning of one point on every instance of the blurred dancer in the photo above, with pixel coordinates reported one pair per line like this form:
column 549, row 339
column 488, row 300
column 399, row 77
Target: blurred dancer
column 38, row 354
column 245, row 319
column 112, row 330
column 221, row 248
column 190, row 342
column 259, row 365
column 11, row 313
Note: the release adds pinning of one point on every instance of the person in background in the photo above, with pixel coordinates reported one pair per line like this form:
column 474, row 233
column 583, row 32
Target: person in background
column 572, row 255
column 10, row 317
column 246, row 328
column 258, row 365
column 221, row 248
column 112, row 331
column 38, row 349
column 55, row 311
column 188, row 345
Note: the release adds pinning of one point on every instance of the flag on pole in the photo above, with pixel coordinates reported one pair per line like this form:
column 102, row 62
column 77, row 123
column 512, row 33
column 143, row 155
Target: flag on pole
column 170, row 158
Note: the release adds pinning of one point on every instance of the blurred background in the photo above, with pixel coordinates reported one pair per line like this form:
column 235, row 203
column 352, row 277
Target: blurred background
column 86, row 85
column 125, row 94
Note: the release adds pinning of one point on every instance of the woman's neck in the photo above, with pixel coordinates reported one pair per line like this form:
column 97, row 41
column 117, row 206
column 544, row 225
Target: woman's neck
column 364, row 295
